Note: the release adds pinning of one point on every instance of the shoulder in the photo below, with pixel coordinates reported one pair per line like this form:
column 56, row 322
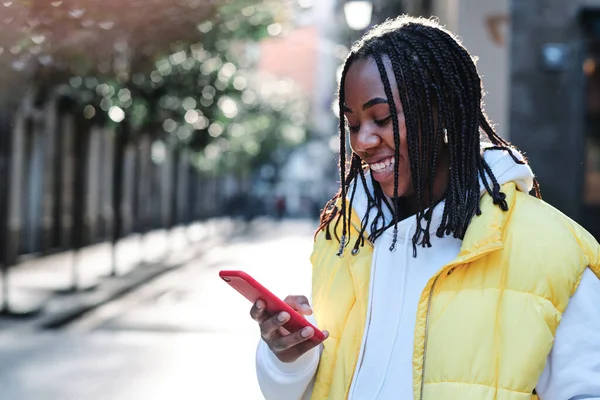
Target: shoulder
column 545, row 225
column 549, row 245
column 324, row 244
column 327, row 239
column 531, row 209
column 325, row 260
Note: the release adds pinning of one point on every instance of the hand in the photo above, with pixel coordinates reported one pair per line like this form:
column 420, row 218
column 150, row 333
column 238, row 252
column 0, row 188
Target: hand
column 287, row 346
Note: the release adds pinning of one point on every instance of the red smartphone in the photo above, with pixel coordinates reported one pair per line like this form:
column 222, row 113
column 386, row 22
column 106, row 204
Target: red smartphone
column 252, row 290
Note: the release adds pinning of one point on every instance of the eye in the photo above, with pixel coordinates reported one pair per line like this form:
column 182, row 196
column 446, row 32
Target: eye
column 384, row 121
column 353, row 128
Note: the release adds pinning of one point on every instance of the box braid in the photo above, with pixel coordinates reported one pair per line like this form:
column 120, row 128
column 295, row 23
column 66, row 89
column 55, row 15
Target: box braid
column 434, row 74
column 425, row 72
column 421, row 75
column 395, row 126
column 456, row 147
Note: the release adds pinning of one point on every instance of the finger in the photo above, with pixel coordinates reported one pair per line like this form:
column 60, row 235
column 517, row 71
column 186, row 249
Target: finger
column 257, row 312
column 283, row 331
column 300, row 304
column 309, row 344
column 271, row 325
column 302, row 337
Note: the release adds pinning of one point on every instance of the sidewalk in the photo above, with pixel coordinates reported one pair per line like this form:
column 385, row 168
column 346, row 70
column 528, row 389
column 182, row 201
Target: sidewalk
column 45, row 284
column 185, row 335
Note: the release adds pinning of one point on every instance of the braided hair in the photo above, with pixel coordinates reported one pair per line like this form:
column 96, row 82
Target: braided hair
column 441, row 94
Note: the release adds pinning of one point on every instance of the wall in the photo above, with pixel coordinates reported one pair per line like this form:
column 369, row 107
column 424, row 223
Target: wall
column 540, row 110
column 293, row 56
column 472, row 20
column 310, row 55
column 546, row 114
column 60, row 186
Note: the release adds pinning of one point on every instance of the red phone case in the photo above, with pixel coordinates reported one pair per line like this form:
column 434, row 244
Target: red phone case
column 252, row 290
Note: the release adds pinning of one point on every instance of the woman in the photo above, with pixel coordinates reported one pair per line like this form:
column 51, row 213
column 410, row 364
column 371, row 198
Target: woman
column 435, row 273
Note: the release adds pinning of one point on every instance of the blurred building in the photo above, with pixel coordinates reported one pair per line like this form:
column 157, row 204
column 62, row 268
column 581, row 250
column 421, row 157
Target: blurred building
column 72, row 183
column 539, row 65
column 554, row 108
column 308, row 55
column 538, row 60
column 484, row 29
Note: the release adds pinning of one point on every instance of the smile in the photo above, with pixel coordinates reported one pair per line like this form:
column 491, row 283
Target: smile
column 383, row 166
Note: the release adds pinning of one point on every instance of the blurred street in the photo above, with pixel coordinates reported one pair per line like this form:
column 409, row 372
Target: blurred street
column 185, row 335
column 146, row 145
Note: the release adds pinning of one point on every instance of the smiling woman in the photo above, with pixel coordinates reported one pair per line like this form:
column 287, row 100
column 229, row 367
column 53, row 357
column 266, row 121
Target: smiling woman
column 457, row 278
column 371, row 128
column 441, row 125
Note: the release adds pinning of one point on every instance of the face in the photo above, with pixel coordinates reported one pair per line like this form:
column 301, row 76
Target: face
column 369, row 119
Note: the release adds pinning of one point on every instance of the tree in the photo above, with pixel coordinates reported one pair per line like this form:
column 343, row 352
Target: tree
column 177, row 70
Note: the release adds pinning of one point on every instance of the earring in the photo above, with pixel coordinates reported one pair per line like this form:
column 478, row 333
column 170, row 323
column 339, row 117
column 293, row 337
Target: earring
column 445, row 136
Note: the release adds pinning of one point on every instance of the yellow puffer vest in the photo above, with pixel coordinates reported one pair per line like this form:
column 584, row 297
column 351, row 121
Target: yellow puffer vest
column 485, row 322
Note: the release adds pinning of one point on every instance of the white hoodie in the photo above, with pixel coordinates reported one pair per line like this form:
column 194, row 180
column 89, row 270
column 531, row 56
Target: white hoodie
column 384, row 368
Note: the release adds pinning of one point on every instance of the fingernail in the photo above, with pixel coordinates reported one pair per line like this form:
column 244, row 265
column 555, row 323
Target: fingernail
column 326, row 333
column 306, row 307
column 282, row 316
column 306, row 332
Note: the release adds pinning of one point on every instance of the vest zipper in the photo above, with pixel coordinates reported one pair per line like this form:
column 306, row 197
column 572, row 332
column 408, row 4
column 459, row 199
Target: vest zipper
column 426, row 336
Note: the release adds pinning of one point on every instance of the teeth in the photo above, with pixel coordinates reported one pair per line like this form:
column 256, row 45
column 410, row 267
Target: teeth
column 380, row 166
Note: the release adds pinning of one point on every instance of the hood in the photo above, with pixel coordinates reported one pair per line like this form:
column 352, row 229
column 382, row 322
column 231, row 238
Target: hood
column 503, row 166
column 506, row 170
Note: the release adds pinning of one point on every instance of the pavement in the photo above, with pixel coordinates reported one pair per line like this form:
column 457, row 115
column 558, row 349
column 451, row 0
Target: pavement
column 181, row 335
column 52, row 290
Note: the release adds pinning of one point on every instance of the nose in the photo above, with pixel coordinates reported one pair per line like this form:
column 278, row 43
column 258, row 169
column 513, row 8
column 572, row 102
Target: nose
column 364, row 140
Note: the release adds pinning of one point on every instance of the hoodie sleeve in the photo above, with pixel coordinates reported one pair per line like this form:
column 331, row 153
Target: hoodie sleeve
column 289, row 381
column 573, row 368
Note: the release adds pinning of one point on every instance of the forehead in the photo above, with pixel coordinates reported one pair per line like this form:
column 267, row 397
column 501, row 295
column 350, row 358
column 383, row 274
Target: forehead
column 363, row 80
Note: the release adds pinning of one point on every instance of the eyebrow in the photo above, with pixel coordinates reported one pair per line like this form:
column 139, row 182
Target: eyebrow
column 368, row 104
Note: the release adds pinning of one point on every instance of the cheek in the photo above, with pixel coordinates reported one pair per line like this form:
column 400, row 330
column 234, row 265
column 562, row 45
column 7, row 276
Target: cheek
column 403, row 144
column 352, row 139
column 404, row 171
column 403, row 133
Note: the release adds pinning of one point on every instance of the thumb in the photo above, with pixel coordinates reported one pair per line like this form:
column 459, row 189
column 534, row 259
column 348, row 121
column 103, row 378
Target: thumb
column 300, row 304
column 305, row 309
